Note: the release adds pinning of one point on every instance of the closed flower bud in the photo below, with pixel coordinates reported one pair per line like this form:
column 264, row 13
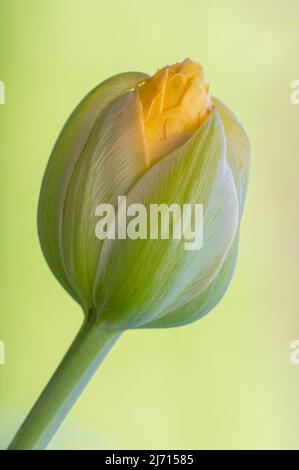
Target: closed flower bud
column 138, row 146
column 153, row 140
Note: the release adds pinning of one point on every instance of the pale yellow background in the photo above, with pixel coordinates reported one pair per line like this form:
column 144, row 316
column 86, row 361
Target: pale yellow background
column 226, row 381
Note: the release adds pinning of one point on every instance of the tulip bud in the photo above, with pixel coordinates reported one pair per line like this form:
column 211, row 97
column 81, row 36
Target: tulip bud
column 158, row 141
column 155, row 140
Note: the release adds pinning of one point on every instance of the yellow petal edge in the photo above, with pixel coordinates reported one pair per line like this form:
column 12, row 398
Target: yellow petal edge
column 175, row 102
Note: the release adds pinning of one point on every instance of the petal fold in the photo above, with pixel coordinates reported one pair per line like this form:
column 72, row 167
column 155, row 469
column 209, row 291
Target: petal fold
column 238, row 149
column 111, row 162
column 62, row 163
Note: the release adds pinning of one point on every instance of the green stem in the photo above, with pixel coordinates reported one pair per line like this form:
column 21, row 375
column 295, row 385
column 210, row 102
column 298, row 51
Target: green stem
column 73, row 374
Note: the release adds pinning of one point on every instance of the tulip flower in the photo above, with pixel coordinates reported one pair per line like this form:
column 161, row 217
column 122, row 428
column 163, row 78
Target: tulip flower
column 155, row 140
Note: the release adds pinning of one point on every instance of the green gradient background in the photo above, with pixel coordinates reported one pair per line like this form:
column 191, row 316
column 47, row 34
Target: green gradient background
column 226, row 381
